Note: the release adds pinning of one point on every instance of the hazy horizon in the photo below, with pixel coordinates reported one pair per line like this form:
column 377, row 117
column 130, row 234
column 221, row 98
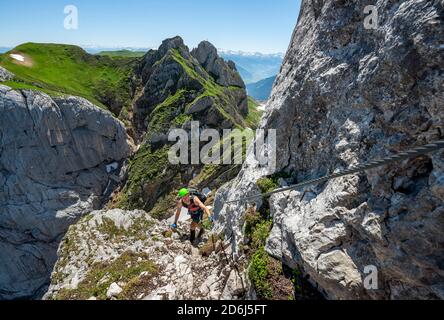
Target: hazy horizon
column 97, row 48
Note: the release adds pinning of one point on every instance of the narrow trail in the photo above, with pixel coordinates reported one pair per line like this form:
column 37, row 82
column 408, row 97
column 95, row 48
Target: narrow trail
column 199, row 271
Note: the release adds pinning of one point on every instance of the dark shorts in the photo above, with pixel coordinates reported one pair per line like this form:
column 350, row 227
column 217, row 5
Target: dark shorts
column 197, row 216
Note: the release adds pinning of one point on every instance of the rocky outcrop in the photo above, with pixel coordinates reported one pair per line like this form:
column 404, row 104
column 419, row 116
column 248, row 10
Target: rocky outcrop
column 172, row 69
column 225, row 73
column 346, row 95
column 159, row 264
column 5, row 75
column 54, row 154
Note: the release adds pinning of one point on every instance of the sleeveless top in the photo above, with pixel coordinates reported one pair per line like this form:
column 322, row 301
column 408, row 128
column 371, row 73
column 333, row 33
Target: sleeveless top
column 191, row 206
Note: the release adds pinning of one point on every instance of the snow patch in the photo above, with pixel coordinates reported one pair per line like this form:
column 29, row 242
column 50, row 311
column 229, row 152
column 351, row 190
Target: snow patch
column 17, row 57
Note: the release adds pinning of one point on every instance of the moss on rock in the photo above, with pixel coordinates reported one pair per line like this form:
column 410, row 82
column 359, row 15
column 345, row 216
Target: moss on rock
column 125, row 269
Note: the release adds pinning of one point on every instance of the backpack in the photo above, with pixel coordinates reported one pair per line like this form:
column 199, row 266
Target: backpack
column 199, row 194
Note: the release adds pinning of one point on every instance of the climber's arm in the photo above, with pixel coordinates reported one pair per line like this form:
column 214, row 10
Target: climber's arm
column 202, row 206
column 178, row 211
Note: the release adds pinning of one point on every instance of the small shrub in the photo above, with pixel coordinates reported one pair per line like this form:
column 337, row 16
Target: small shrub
column 261, row 233
column 252, row 219
column 207, row 225
column 258, row 273
column 266, row 185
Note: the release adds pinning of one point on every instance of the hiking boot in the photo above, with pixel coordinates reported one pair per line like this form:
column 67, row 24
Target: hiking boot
column 201, row 233
column 192, row 236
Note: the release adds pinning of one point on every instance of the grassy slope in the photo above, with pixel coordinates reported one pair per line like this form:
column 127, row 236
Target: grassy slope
column 254, row 115
column 211, row 89
column 122, row 54
column 69, row 69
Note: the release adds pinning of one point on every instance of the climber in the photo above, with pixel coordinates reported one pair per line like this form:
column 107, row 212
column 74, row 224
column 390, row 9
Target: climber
column 194, row 202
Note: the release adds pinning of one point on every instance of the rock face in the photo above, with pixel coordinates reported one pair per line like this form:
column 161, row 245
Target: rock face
column 346, row 95
column 165, row 267
column 53, row 157
column 5, row 75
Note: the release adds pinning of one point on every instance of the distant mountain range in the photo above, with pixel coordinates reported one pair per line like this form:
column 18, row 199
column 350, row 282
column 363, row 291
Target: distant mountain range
column 254, row 67
column 98, row 49
column 261, row 90
column 122, row 53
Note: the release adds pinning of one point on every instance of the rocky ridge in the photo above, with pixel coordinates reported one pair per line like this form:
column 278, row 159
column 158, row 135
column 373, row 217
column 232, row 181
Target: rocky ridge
column 225, row 73
column 174, row 74
column 176, row 87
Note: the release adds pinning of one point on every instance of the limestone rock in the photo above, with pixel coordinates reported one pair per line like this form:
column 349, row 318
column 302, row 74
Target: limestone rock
column 235, row 287
column 201, row 105
column 346, row 95
column 5, row 75
column 53, row 157
column 113, row 291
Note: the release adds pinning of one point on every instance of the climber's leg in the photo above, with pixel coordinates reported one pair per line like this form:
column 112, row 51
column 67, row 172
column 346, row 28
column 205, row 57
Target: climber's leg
column 201, row 231
column 193, row 227
column 200, row 224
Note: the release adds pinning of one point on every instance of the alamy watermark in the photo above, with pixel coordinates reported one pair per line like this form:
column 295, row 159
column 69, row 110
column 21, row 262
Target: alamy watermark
column 371, row 280
column 372, row 19
column 71, row 21
column 209, row 147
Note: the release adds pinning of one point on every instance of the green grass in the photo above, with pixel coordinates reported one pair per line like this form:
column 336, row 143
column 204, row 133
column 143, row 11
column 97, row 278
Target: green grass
column 261, row 233
column 165, row 116
column 270, row 183
column 257, row 229
column 25, row 86
column 163, row 204
column 69, row 69
column 266, row 184
column 122, row 54
column 254, row 115
column 145, row 168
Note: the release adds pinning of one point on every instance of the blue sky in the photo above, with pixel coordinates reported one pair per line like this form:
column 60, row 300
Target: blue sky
column 248, row 25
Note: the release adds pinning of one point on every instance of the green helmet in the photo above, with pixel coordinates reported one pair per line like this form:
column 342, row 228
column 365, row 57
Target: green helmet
column 183, row 192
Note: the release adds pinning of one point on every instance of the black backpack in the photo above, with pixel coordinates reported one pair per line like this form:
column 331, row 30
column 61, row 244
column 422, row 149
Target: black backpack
column 200, row 195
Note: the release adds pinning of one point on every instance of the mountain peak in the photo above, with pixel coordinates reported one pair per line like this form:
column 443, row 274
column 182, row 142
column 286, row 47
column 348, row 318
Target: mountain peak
column 172, row 43
column 224, row 72
column 205, row 51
